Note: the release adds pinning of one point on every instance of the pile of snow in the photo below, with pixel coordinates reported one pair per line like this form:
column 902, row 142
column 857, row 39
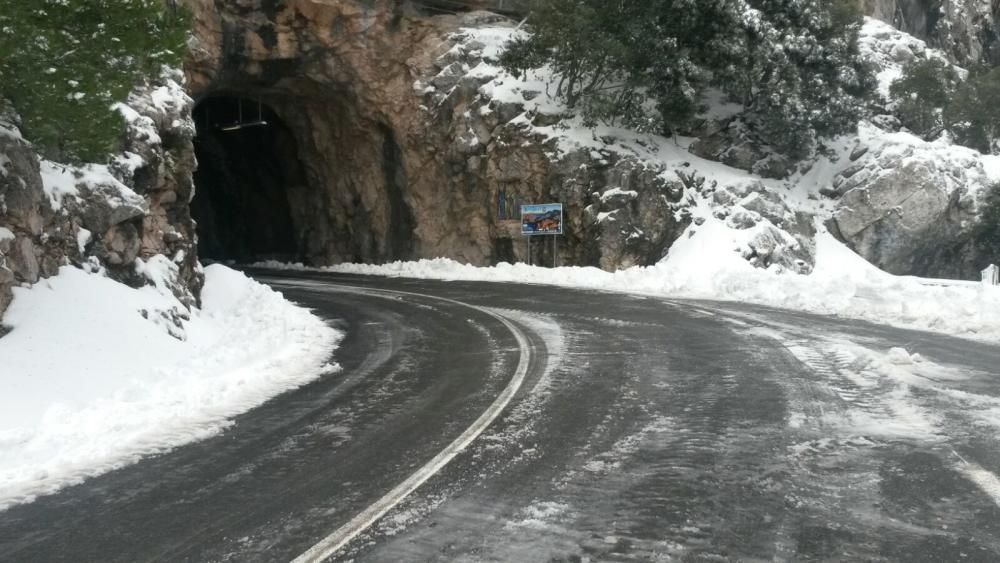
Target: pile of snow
column 706, row 263
column 97, row 374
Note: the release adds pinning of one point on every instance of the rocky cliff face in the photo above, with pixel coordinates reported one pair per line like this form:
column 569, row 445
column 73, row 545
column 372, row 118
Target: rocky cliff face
column 103, row 217
column 402, row 157
column 965, row 29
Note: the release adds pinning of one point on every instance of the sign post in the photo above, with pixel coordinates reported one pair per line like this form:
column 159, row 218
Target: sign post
column 542, row 219
column 991, row 275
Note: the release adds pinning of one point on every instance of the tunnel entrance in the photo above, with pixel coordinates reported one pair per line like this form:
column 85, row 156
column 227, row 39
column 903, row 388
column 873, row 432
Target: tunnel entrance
column 247, row 165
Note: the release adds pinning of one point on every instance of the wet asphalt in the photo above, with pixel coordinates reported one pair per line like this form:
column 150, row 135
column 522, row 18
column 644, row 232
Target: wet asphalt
column 647, row 429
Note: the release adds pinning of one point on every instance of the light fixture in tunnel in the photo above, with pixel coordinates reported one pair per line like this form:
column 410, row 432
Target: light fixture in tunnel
column 240, row 124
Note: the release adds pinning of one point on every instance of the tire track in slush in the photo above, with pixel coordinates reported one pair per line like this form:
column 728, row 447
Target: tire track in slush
column 333, row 543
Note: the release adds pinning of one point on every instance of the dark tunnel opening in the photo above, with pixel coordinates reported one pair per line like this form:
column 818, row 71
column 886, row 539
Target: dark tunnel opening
column 247, row 162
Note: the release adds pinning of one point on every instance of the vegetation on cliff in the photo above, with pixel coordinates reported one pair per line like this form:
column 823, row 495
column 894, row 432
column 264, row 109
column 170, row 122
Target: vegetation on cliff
column 795, row 66
column 927, row 86
column 987, row 233
column 931, row 97
column 65, row 63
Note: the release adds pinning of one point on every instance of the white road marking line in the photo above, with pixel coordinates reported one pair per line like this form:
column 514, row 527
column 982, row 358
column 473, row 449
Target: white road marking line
column 331, row 544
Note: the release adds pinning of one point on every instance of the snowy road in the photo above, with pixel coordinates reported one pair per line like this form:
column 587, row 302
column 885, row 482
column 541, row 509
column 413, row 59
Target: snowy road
column 644, row 430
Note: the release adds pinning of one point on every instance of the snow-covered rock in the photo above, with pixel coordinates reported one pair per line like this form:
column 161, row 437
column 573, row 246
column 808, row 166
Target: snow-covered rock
column 963, row 29
column 909, row 206
column 133, row 209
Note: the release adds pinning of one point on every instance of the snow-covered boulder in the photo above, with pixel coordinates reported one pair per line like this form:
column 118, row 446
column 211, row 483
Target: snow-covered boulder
column 908, row 206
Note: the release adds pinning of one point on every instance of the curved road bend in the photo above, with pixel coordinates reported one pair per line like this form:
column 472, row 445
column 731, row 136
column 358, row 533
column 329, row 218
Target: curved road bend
column 644, row 429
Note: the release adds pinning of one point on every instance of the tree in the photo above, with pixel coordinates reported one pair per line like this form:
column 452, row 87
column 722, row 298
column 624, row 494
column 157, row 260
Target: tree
column 588, row 46
column 921, row 94
column 986, row 234
column 64, row 63
column 803, row 76
column 794, row 64
column 973, row 116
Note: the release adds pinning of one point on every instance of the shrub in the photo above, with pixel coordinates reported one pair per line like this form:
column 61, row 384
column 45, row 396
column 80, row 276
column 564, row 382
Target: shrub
column 795, row 65
column 973, row 115
column 921, row 94
column 64, row 63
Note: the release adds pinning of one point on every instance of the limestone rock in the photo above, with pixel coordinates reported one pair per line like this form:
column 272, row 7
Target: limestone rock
column 910, row 210
column 25, row 213
column 965, row 29
column 142, row 213
column 731, row 142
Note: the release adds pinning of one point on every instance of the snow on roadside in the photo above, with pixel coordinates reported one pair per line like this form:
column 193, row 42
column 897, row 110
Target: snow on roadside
column 97, row 374
column 705, row 263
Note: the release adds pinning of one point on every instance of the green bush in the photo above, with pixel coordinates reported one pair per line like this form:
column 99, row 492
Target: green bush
column 973, row 115
column 921, row 94
column 65, row 63
column 986, row 234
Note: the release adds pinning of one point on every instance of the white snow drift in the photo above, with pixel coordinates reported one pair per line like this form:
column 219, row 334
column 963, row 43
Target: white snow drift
column 97, row 374
column 705, row 263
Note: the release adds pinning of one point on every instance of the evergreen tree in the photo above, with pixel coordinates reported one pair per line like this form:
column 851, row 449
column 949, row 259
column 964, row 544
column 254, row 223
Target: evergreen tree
column 987, row 233
column 64, row 63
column 973, row 115
column 804, row 76
column 921, row 94
column 645, row 63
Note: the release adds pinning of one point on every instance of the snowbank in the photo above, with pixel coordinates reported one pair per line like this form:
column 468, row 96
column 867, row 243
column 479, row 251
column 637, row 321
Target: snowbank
column 97, row 374
column 706, row 263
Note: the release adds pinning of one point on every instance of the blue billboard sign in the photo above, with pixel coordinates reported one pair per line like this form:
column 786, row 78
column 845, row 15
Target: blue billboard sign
column 542, row 219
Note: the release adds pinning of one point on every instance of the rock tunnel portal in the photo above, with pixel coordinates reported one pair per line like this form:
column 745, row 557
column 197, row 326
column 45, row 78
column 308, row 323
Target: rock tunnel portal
column 298, row 179
column 247, row 161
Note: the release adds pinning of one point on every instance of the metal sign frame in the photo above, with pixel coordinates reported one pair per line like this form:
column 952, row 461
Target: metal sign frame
column 542, row 219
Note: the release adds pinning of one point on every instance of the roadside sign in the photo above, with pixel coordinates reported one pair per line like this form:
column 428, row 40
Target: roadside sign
column 991, row 275
column 542, row 219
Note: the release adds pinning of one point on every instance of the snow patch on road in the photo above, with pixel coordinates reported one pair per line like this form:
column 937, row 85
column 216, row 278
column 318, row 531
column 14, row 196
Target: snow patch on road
column 97, row 374
column 523, row 417
column 539, row 516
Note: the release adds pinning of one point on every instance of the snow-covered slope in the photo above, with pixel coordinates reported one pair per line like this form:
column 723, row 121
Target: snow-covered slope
column 96, row 374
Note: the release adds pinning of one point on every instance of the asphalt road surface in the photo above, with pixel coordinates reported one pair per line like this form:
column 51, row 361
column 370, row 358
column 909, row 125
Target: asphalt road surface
column 491, row 422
